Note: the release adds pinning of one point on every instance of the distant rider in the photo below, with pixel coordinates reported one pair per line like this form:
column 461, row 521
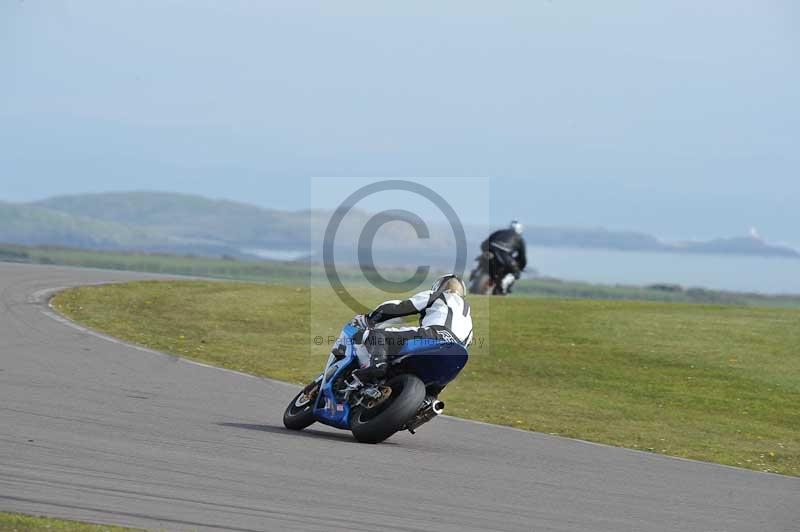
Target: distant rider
column 508, row 247
column 444, row 314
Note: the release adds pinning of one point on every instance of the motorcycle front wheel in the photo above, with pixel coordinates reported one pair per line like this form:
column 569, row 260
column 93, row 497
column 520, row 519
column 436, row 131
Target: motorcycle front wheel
column 374, row 425
column 300, row 412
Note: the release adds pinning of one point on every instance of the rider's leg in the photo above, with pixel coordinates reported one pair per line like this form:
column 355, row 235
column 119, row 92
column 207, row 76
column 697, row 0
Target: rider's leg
column 379, row 345
column 507, row 281
column 372, row 356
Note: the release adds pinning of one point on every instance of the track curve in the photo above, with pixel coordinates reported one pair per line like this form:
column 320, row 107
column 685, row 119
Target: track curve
column 100, row 431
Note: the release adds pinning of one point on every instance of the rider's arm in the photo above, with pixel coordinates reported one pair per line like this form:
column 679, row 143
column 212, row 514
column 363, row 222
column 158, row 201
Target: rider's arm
column 398, row 309
column 486, row 245
column 522, row 261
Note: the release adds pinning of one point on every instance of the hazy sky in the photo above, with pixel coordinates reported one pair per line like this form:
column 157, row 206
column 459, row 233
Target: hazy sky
column 676, row 118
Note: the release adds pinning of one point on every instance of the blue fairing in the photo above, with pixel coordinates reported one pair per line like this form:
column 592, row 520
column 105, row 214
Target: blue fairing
column 435, row 362
column 328, row 409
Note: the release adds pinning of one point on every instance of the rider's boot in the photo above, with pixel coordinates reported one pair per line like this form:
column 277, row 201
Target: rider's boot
column 507, row 281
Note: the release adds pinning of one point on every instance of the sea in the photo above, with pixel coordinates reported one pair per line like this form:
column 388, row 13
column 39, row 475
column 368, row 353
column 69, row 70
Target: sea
column 737, row 273
column 767, row 275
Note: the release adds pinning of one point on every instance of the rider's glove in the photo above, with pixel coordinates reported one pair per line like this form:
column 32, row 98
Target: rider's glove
column 362, row 322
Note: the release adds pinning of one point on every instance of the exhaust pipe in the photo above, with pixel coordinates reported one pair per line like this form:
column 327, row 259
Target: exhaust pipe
column 431, row 408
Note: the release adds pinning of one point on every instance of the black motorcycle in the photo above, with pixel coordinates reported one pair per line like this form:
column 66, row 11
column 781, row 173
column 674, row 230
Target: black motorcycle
column 487, row 277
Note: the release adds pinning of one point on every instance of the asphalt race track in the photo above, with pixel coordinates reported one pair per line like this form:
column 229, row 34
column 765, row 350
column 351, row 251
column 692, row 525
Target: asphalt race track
column 101, row 431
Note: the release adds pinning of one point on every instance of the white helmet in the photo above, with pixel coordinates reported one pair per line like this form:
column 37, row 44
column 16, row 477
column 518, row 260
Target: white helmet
column 516, row 226
column 445, row 279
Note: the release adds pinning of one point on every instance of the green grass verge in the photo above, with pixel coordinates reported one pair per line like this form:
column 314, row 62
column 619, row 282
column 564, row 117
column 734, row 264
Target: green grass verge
column 24, row 523
column 715, row 383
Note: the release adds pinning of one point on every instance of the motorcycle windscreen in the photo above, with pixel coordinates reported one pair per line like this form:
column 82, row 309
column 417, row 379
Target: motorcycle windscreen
column 436, row 364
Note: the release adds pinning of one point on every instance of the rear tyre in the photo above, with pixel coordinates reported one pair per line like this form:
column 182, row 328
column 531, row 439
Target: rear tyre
column 300, row 412
column 377, row 424
column 482, row 284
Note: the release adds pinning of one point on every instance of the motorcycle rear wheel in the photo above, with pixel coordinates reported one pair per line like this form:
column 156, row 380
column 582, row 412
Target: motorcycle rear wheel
column 377, row 424
column 482, row 284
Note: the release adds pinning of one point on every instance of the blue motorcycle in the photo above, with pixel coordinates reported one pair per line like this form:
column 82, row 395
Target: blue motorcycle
column 404, row 400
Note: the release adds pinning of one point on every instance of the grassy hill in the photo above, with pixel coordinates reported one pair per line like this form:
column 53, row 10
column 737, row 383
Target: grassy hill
column 150, row 222
column 183, row 223
column 37, row 225
column 188, row 217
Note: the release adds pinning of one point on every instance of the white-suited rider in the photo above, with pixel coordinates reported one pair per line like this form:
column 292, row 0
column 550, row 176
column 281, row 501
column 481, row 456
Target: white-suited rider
column 444, row 314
